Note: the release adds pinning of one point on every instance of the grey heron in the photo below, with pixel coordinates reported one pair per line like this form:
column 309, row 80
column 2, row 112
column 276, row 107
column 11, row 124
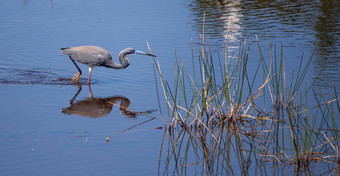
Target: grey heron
column 94, row 56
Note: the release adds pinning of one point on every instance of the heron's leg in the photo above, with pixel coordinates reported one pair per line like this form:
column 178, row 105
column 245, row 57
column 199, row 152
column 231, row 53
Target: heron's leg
column 89, row 79
column 77, row 76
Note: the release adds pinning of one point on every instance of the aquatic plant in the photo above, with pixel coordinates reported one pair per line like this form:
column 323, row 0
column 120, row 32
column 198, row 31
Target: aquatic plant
column 220, row 121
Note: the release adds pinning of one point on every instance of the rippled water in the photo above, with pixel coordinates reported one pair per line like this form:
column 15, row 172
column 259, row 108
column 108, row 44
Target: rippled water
column 301, row 27
column 44, row 124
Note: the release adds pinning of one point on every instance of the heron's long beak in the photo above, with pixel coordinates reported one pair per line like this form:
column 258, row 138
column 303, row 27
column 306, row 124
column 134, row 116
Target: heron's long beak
column 143, row 53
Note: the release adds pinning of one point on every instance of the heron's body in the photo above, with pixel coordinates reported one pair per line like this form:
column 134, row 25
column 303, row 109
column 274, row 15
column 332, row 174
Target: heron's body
column 94, row 56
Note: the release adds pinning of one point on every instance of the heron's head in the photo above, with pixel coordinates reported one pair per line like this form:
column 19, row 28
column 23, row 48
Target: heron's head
column 133, row 51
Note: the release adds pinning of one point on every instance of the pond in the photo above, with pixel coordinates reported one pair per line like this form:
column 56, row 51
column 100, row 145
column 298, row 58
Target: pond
column 50, row 125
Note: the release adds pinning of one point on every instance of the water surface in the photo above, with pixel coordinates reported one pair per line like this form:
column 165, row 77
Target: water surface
column 42, row 131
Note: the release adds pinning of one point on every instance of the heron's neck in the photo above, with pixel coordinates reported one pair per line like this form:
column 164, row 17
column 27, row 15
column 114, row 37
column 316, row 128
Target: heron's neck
column 124, row 62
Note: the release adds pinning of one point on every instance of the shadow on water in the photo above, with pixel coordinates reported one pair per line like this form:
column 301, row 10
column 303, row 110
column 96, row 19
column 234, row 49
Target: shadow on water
column 100, row 107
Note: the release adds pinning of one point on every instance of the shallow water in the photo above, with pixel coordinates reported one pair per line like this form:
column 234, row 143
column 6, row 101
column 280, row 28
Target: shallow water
column 45, row 127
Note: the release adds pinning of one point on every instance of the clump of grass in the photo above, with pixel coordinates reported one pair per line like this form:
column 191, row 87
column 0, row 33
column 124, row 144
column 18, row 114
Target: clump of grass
column 219, row 114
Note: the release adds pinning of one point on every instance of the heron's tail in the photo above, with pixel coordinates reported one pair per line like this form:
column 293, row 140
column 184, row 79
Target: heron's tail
column 65, row 50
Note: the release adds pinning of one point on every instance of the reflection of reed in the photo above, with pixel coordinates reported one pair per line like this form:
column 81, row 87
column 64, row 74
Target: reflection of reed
column 210, row 152
column 246, row 148
column 100, row 107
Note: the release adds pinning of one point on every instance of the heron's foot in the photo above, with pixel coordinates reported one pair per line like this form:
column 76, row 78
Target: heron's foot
column 76, row 77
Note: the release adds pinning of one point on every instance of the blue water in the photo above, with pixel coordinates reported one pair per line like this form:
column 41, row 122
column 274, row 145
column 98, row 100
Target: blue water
column 37, row 138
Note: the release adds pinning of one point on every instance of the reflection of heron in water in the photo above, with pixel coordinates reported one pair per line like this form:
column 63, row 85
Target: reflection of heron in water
column 99, row 107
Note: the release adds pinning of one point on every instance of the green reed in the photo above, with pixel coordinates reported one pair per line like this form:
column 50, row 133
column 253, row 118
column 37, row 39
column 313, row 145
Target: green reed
column 220, row 111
